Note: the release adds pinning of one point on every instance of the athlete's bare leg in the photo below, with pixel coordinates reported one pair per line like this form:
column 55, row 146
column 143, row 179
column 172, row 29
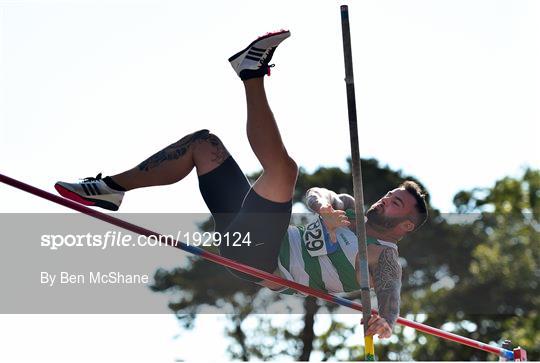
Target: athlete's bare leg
column 201, row 150
column 279, row 170
column 204, row 151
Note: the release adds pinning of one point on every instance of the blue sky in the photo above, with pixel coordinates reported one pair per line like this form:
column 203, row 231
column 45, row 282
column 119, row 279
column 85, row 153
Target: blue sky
column 447, row 91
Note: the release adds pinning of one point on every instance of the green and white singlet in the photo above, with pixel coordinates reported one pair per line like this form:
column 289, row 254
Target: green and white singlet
column 308, row 256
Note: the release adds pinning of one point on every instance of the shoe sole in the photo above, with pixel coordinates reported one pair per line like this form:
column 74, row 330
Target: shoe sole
column 68, row 194
column 269, row 35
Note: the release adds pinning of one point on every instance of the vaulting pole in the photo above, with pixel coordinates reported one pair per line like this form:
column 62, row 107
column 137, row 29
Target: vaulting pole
column 357, row 181
column 507, row 354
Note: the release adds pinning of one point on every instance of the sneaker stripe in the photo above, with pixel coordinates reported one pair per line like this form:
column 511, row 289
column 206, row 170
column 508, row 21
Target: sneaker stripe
column 94, row 185
column 258, row 49
column 86, row 189
column 256, row 59
column 251, row 52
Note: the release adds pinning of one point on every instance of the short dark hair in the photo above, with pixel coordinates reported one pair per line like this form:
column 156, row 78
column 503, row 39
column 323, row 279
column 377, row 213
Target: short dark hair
column 421, row 204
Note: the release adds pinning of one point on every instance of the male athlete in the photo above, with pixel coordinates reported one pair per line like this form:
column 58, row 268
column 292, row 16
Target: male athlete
column 264, row 208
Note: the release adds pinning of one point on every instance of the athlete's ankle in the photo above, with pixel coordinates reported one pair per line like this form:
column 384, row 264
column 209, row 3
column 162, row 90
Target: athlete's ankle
column 113, row 185
column 254, row 82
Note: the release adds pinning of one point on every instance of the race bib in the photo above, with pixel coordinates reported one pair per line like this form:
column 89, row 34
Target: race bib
column 317, row 240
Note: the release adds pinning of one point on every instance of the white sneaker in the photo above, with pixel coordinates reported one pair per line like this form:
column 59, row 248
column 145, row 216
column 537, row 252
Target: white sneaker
column 92, row 192
column 252, row 62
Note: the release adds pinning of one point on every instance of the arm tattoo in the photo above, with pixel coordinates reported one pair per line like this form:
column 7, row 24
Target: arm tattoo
column 387, row 280
column 180, row 148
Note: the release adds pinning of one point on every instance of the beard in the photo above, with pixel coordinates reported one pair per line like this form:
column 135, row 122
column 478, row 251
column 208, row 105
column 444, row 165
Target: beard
column 377, row 219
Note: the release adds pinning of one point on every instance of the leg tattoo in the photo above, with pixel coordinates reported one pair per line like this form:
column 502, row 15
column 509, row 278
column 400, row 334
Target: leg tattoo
column 180, row 148
column 219, row 152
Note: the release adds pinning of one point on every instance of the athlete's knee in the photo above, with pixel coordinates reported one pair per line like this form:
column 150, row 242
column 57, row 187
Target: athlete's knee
column 292, row 168
column 197, row 136
column 208, row 147
column 287, row 169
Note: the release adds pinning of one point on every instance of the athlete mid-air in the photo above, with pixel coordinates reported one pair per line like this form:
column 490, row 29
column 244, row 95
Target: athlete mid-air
column 264, row 209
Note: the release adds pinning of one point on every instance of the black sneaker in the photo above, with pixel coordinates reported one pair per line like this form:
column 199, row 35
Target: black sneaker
column 252, row 62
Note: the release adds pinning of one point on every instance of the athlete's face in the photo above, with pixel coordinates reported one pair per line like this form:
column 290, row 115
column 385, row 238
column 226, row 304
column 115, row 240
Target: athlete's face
column 393, row 211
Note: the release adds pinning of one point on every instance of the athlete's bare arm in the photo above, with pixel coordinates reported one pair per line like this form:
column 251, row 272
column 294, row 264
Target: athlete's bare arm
column 387, row 281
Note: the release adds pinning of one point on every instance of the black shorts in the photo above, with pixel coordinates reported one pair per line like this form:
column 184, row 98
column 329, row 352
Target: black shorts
column 236, row 207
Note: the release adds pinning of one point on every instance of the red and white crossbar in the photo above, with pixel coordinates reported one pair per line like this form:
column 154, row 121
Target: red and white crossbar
column 504, row 353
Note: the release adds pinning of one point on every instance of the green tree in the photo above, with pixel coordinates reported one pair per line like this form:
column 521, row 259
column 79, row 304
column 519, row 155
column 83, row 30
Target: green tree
column 497, row 295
